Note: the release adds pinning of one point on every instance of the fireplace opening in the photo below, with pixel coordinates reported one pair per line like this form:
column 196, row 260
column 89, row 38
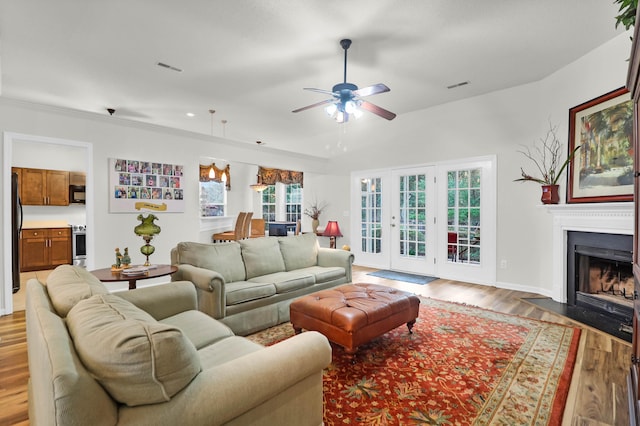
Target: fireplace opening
column 600, row 275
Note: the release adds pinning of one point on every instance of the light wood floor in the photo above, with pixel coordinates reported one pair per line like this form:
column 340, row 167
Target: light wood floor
column 597, row 395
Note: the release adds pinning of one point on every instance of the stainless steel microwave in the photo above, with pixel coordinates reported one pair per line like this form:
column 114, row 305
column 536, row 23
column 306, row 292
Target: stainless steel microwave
column 77, row 194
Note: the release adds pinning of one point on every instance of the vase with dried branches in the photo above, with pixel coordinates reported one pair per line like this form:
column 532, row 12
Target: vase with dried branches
column 547, row 157
column 314, row 213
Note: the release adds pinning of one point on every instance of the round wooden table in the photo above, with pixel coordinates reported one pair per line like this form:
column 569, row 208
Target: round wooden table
column 107, row 275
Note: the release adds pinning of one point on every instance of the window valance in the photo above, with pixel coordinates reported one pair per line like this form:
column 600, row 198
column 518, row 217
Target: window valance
column 271, row 176
column 219, row 175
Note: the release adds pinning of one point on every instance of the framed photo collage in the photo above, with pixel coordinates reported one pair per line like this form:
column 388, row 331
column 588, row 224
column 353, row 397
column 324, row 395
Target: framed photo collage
column 144, row 185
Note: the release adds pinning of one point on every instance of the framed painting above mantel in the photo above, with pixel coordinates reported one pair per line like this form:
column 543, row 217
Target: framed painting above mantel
column 602, row 170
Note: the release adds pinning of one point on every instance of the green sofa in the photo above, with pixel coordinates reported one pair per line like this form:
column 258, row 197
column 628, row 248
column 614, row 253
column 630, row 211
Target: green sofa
column 248, row 285
column 149, row 357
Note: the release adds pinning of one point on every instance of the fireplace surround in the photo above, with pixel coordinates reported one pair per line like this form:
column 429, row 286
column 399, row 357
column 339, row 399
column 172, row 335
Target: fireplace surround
column 600, row 273
column 605, row 218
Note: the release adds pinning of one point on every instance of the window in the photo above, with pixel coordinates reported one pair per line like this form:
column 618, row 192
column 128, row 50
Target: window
column 293, row 203
column 269, row 204
column 371, row 211
column 213, row 198
column 413, row 213
column 282, row 202
column 463, row 214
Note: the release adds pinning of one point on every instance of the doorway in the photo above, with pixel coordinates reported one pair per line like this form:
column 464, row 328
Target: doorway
column 428, row 219
column 13, row 142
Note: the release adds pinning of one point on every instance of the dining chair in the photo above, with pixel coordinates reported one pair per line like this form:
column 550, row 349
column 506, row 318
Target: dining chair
column 246, row 226
column 452, row 246
column 235, row 234
column 257, row 228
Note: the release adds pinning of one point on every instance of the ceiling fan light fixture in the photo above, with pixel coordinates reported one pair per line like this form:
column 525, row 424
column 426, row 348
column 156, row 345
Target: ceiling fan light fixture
column 350, row 107
column 346, row 97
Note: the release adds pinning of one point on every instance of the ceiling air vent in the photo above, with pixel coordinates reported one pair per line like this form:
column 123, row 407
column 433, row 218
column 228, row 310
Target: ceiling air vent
column 163, row 65
column 453, row 86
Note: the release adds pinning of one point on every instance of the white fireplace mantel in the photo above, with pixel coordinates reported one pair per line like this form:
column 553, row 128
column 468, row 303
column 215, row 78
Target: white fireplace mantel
column 608, row 218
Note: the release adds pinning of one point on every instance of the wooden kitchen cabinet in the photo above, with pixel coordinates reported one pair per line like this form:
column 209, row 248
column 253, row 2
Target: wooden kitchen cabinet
column 40, row 187
column 44, row 248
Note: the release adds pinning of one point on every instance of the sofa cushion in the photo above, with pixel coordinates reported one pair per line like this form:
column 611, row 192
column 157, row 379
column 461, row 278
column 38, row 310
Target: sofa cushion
column 224, row 258
column 222, row 352
column 324, row 274
column 136, row 359
column 199, row 328
column 261, row 256
column 245, row 291
column 299, row 251
column 285, row 282
column 67, row 285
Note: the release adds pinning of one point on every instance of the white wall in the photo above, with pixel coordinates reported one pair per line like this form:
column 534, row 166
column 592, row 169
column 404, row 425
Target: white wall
column 498, row 123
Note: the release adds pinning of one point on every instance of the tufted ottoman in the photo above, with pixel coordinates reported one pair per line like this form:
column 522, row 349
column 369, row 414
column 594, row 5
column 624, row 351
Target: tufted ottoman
column 353, row 314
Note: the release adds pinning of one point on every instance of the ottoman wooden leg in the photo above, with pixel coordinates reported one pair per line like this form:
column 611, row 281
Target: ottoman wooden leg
column 297, row 330
column 351, row 354
column 410, row 326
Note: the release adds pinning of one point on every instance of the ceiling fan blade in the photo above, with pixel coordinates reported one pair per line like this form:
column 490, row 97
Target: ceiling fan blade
column 371, row 90
column 326, row 101
column 326, row 92
column 377, row 110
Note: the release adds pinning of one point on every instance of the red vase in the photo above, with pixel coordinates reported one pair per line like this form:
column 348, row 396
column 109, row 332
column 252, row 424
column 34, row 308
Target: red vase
column 550, row 194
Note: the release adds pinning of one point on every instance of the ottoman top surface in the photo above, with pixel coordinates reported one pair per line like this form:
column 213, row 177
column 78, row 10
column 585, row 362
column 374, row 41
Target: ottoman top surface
column 354, row 306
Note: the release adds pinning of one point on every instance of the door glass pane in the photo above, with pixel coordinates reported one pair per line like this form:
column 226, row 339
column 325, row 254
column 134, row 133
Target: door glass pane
column 463, row 216
column 371, row 214
column 413, row 213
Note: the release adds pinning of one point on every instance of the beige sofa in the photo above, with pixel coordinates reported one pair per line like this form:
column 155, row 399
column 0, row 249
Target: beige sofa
column 248, row 285
column 148, row 357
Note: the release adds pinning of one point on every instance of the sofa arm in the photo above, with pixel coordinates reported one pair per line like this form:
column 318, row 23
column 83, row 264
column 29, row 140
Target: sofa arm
column 222, row 393
column 163, row 300
column 335, row 257
column 210, row 288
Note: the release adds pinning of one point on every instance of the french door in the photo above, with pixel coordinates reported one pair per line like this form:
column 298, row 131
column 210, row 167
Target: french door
column 433, row 220
column 412, row 233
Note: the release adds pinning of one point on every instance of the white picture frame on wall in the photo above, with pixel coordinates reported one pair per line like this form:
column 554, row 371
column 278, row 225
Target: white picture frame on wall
column 136, row 185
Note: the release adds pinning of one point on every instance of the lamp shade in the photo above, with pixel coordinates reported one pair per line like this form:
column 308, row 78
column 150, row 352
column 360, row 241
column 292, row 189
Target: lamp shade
column 332, row 229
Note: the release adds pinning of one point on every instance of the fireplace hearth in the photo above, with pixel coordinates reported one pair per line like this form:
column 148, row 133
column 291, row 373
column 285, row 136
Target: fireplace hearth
column 600, row 274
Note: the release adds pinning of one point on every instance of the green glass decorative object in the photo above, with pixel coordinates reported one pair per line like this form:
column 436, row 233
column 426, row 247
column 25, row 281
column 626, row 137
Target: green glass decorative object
column 147, row 229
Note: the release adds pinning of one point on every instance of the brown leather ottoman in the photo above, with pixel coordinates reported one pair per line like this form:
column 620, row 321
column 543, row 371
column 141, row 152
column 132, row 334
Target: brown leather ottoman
column 353, row 314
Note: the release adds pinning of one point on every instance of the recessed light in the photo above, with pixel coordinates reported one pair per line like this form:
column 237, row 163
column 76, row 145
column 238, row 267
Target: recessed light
column 190, row 114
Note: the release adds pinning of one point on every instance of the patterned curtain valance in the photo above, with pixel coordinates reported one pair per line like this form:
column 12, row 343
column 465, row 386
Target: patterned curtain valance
column 271, row 176
column 205, row 171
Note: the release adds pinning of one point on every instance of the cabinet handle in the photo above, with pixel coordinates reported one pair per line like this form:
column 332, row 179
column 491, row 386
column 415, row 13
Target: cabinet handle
column 35, row 234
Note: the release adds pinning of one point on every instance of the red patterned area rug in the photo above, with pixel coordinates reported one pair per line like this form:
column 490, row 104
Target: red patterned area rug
column 461, row 366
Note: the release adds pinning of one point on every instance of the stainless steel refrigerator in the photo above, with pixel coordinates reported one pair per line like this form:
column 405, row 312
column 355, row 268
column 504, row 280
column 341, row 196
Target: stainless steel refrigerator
column 16, row 228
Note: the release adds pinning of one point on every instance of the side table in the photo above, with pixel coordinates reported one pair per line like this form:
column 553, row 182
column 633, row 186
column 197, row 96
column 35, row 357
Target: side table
column 107, row 275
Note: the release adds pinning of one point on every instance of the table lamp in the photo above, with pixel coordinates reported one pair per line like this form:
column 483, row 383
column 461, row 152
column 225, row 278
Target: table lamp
column 332, row 231
column 147, row 229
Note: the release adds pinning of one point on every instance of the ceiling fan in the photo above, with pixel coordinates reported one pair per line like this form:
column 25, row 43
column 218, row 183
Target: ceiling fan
column 347, row 99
